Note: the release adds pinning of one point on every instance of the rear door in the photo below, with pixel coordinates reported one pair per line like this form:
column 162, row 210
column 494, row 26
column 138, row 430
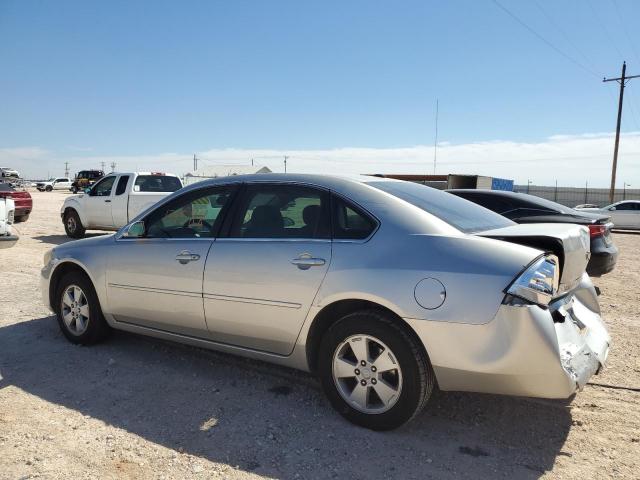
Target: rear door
column 261, row 279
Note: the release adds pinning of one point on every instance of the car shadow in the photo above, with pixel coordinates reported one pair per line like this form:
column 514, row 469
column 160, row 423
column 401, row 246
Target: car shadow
column 271, row 420
column 60, row 239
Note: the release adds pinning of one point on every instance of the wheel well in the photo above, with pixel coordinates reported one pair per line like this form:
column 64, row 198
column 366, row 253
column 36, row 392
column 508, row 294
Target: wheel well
column 334, row 312
column 67, row 210
column 58, row 273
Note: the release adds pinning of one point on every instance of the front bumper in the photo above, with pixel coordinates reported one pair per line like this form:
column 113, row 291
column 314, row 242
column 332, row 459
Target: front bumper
column 522, row 351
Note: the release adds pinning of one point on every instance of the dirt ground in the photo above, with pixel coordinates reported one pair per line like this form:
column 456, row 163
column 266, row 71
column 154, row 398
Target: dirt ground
column 136, row 407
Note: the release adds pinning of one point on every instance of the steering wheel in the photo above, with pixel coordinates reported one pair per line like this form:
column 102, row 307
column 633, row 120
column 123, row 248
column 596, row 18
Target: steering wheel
column 195, row 221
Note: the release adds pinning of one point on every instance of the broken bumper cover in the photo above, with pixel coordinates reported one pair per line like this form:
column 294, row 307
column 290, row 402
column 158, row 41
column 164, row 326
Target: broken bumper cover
column 525, row 350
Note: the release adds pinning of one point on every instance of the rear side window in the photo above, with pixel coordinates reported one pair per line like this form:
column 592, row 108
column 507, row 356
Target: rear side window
column 283, row 211
column 350, row 222
column 157, row 183
column 122, row 184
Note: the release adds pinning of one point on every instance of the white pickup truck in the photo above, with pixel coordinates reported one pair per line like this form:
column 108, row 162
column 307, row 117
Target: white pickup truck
column 113, row 201
column 7, row 211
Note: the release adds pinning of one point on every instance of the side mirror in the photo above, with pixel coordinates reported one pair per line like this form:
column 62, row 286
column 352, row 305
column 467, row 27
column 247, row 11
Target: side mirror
column 135, row 230
column 612, row 209
column 87, row 190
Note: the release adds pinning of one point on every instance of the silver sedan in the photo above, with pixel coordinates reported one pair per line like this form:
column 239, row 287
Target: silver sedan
column 381, row 288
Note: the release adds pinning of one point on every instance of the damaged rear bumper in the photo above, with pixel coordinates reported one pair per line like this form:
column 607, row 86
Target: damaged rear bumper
column 525, row 350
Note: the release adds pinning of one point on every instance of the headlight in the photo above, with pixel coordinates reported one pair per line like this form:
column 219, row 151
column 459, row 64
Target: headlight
column 539, row 282
column 48, row 255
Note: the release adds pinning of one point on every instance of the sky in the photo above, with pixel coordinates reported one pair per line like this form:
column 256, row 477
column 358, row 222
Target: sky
column 337, row 86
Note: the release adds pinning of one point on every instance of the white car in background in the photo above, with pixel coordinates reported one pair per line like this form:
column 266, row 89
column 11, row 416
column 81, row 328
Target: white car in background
column 113, row 201
column 7, row 172
column 624, row 214
column 61, row 183
column 7, row 211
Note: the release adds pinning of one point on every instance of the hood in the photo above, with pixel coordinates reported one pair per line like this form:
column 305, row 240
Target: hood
column 85, row 242
column 570, row 243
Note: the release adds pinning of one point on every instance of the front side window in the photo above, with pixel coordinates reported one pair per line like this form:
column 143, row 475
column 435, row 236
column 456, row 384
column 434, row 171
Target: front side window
column 61, row 180
column 103, row 187
column 283, row 211
column 349, row 222
column 193, row 215
column 157, row 183
column 625, row 206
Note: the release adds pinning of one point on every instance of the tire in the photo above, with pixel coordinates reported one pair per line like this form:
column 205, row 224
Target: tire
column 74, row 189
column 78, row 310
column 73, row 225
column 22, row 218
column 411, row 378
column 48, row 188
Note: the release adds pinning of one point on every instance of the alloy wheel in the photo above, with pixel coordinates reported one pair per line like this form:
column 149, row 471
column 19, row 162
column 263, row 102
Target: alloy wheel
column 367, row 374
column 75, row 310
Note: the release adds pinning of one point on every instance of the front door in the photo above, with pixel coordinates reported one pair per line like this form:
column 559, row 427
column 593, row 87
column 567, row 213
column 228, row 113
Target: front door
column 98, row 203
column 626, row 215
column 156, row 280
column 261, row 280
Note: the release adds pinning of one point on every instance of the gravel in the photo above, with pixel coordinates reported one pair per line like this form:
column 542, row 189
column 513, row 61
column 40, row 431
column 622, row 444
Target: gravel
column 136, row 407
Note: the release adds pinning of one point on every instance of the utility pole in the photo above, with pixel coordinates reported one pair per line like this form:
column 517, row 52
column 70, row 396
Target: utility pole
column 195, row 162
column 113, row 166
column 66, row 169
column 102, row 164
column 622, row 81
column 285, row 163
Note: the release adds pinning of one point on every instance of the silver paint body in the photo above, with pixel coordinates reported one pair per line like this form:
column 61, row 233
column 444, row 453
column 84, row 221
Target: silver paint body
column 245, row 296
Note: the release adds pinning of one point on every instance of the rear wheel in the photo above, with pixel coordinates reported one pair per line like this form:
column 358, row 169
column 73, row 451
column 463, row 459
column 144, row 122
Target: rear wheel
column 48, row 188
column 22, row 218
column 73, row 224
column 74, row 189
column 78, row 310
column 373, row 371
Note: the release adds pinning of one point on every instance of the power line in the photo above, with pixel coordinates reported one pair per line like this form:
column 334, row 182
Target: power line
column 604, row 29
column 591, row 65
column 624, row 27
column 543, row 39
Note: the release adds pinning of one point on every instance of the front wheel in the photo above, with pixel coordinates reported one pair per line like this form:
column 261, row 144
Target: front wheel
column 374, row 372
column 73, row 225
column 78, row 310
column 48, row 188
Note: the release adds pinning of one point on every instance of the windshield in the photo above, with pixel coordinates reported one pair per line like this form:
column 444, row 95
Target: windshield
column 458, row 212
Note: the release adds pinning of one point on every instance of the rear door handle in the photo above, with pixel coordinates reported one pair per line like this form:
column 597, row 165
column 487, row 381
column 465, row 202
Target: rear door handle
column 186, row 256
column 306, row 262
column 107, row 201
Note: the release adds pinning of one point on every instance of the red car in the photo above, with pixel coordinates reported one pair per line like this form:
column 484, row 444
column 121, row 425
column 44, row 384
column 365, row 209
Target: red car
column 22, row 199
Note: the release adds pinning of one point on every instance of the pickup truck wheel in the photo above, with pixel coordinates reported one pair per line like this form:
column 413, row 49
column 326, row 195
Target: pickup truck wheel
column 78, row 310
column 374, row 372
column 73, row 225
column 74, row 189
column 48, row 188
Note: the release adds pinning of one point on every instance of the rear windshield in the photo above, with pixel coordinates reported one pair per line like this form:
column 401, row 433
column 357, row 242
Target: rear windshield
column 462, row 214
column 157, row 183
column 5, row 187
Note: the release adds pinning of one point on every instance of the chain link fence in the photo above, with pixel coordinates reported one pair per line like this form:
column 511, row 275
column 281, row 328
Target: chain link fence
column 571, row 197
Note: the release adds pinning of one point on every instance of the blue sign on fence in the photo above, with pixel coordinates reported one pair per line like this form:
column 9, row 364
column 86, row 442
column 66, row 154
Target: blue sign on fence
column 501, row 184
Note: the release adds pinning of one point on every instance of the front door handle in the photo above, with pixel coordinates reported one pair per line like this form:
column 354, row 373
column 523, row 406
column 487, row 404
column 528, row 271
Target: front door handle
column 306, row 261
column 107, row 201
column 186, row 256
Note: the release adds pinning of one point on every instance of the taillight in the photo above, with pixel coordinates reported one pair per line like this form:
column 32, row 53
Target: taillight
column 539, row 282
column 6, row 194
column 597, row 230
